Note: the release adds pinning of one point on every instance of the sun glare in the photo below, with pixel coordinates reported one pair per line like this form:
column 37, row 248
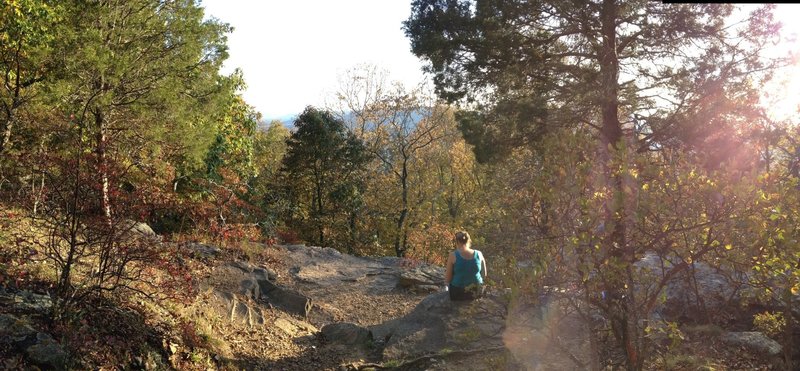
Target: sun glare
column 783, row 96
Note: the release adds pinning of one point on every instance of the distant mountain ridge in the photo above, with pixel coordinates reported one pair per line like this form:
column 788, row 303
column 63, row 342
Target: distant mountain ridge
column 288, row 119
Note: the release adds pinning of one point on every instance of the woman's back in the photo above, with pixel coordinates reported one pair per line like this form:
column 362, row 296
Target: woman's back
column 464, row 275
column 467, row 271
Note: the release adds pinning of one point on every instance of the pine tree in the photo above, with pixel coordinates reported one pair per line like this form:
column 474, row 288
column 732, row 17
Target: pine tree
column 323, row 167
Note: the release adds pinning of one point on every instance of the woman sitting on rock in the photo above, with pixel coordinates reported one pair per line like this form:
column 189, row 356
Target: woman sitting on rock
column 466, row 270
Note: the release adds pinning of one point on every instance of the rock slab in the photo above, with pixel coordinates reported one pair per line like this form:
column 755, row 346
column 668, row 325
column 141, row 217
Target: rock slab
column 754, row 341
column 423, row 276
column 346, row 334
column 437, row 324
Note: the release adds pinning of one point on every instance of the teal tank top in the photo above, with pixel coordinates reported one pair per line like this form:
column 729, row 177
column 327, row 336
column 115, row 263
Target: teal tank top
column 467, row 271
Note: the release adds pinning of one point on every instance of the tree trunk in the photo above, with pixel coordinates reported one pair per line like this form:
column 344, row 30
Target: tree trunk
column 102, row 162
column 38, row 198
column 352, row 231
column 6, row 134
column 318, row 205
column 788, row 331
column 5, row 139
column 400, row 240
column 623, row 321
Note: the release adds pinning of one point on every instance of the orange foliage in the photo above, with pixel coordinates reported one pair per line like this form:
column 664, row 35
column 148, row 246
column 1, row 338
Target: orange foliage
column 288, row 236
column 431, row 244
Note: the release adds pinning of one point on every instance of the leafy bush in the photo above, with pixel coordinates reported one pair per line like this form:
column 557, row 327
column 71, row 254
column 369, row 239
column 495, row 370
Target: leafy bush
column 771, row 324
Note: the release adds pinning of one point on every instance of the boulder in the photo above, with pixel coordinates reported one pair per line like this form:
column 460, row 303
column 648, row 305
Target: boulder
column 346, row 334
column 695, row 291
column 143, row 229
column 287, row 299
column 247, row 313
column 427, row 289
column 47, row 352
column 294, row 248
column 231, row 307
column 203, row 251
column 294, row 327
column 486, row 332
column 425, row 275
column 753, row 341
column 136, row 229
column 133, row 232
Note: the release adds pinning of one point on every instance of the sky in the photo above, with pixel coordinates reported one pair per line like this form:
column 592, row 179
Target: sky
column 293, row 51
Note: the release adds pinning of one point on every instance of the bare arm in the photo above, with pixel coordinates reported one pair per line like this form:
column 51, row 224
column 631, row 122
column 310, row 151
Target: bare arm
column 448, row 273
column 483, row 267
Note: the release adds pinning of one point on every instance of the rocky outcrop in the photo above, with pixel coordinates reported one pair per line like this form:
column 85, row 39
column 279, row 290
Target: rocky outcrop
column 240, row 289
column 26, row 301
column 346, row 334
column 260, row 272
column 287, row 299
column 14, row 330
column 438, row 324
column 293, row 327
column 40, row 348
column 324, row 267
column 483, row 333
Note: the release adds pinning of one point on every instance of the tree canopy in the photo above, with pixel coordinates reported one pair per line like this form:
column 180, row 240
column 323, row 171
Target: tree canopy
column 668, row 74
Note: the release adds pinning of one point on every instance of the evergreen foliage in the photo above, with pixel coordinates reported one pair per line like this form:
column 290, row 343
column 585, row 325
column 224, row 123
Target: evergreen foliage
column 323, row 167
